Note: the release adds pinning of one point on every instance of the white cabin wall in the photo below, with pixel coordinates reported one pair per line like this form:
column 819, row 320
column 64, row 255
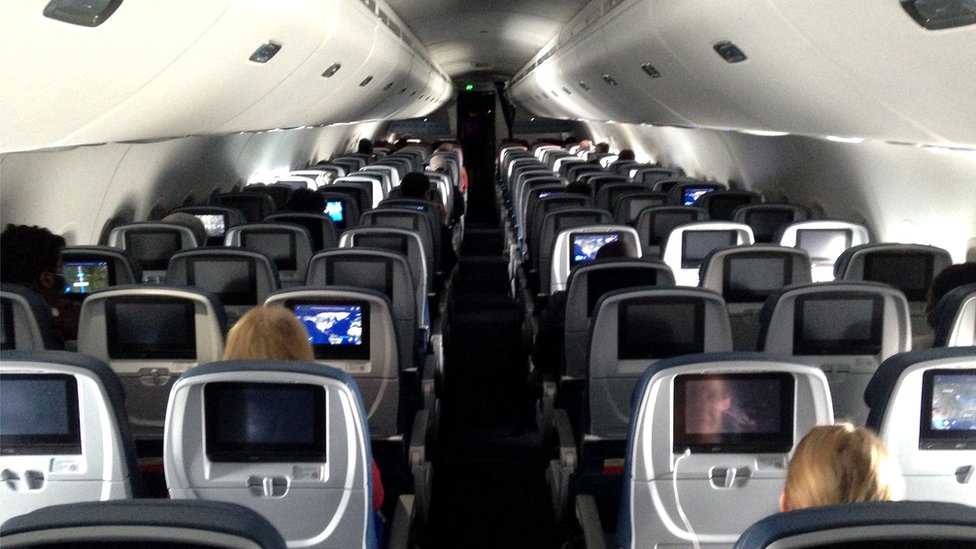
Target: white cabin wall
column 75, row 192
column 902, row 193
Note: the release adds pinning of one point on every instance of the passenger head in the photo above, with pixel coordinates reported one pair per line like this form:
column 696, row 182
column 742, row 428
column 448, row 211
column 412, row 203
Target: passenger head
column 415, row 185
column 30, row 256
column 949, row 278
column 601, row 148
column 305, row 200
column 625, row 154
column 579, row 187
column 268, row 333
column 840, row 463
column 615, row 249
column 585, row 145
column 191, row 222
column 365, row 146
column 708, row 401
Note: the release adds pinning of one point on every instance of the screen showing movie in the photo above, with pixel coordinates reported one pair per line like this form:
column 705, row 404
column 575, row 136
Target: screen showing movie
column 279, row 246
column 333, row 209
column 336, row 330
column 948, row 418
column 39, row 414
column 751, row 278
column 265, row 422
column 837, row 324
column 696, row 245
column 733, row 413
column 692, row 194
column 152, row 249
column 85, row 277
column 910, row 273
column 584, row 246
column 660, row 328
column 766, row 224
column 151, row 328
column 233, row 280
column 215, row 224
column 824, row 244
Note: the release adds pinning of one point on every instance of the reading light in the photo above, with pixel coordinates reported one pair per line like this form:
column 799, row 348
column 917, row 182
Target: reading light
column 87, row 13
column 941, row 14
column 609, row 80
column 554, row 94
column 366, row 81
column 565, row 89
column 584, row 86
column 650, row 70
column 839, row 139
column 330, row 72
column 388, row 86
column 265, row 52
column 730, row 52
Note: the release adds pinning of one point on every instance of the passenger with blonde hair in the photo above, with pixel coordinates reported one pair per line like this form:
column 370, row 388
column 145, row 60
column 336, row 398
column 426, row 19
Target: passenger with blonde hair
column 268, row 332
column 272, row 332
column 840, row 463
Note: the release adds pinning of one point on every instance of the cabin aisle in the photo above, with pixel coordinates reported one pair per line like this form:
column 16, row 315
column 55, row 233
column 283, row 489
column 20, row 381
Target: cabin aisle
column 489, row 486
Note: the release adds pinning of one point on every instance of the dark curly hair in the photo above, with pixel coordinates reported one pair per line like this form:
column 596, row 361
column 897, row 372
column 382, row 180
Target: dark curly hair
column 26, row 252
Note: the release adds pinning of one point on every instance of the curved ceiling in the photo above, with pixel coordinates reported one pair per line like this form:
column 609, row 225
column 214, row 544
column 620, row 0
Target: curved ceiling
column 489, row 36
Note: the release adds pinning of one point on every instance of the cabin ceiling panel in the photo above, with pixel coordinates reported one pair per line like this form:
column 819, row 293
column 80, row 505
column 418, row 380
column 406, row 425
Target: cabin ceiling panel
column 496, row 36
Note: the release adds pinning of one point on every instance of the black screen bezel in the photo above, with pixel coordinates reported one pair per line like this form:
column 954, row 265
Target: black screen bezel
column 912, row 294
column 650, row 349
column 736, row 295
column 841, row 347
column 289, row 263
column 225, row 452
column 695, row 262
column 935, row 439
column 7, row 325
column 61, row 444
column 118, row 351
column 247, row 297
column 339, row 352
column 734, row 443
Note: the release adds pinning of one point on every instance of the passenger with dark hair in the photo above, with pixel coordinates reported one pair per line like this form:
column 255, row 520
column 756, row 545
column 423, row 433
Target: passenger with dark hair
column 548, row 347
column 191, row 222
column 30, row 256
column 365, row 146
column 947, row 280
column 417, row 185
column 626, row 154
column 306, row 201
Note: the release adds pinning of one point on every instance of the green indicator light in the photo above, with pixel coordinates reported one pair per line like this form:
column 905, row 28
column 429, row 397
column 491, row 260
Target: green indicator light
column 469, row 87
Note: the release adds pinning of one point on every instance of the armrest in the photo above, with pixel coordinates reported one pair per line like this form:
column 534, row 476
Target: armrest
column 401, row 529
column 566, row 441
column 589, row 520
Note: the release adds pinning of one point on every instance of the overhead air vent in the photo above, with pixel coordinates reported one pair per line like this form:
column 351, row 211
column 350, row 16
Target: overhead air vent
column 650, row 70
column 265, row 52
column 87, row 13
column 609, row 80
column 371, row 4
column 365, row 81
column 941, row 14
column 565, row 89
column 330, row 72
column 554, row 94
column 388, row 86
column 730, row 52
column 583, row 85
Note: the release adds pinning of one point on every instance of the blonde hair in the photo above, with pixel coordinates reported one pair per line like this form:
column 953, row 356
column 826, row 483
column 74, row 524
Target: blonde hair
column 268, row 332
column 841, row 463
